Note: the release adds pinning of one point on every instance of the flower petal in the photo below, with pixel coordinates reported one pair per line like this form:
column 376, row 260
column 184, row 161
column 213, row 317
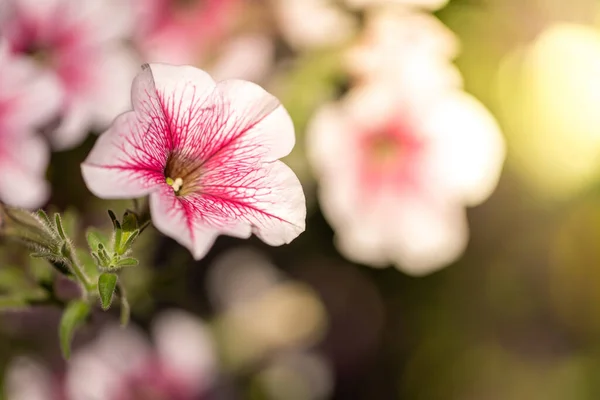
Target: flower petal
column 96, row 370
column 35, row 96
column 175, row 98
column 269, row 199
column 467, row 150
column 418, row 234
column 127, row 161
column 257, row 117
column 23, row 161
column 176, row 219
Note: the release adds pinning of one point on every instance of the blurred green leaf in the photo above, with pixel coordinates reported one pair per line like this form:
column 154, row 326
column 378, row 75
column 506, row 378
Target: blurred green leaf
column 73, row 317
column 95, row 238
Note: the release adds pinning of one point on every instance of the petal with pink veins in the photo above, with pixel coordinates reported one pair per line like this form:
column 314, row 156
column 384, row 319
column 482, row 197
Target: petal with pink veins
column 127, row 161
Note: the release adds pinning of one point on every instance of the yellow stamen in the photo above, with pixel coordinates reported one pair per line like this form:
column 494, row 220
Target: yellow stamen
column 175, row 184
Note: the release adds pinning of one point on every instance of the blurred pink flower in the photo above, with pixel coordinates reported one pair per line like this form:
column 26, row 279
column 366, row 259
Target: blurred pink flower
column 207, row 154
column 121, row 365
column 396, row 170
column 177, row 32
column 79, row 42
column 28, row 99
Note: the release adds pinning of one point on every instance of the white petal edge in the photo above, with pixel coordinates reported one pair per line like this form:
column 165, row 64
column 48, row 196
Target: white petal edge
column 468, row 147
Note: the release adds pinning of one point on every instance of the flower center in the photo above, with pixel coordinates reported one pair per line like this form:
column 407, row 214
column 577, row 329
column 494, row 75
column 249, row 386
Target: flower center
column 385, row 150
column 183, row 173
column 40, row 54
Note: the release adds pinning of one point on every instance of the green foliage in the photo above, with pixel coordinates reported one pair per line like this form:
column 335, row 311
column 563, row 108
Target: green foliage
column 73, row 317
column 107, row 283
column 94, row 268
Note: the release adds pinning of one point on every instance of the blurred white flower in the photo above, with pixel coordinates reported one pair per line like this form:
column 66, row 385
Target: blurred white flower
column 409, row 48
column 122, row 365
column 396, row 169
column 28, row 99
column 79, row 43
column 27, row 379
column 313, row 23
column 423, row 4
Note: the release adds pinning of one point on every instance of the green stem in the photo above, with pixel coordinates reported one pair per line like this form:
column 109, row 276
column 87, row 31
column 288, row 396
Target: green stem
column 78, row 269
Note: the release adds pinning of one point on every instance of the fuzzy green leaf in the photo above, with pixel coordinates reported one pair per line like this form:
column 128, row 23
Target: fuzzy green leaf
column 130, row 222
column 59, row 227
column 127, row 262
column 106, row 288
column 73, row 317
column 95, row 239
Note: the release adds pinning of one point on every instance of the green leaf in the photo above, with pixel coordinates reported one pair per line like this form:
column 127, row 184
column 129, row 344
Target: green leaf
column 59, row 227
column 106, row 288
column 128, row 241
column 130, row 222
column 28, row 228
column 104, row 257
column 95, row 239
column 114, row 219
column 74, row 316
column 127, row 262
column 45, row 218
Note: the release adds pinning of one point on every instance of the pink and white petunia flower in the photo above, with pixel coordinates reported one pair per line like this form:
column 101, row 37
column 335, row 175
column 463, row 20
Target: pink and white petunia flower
column 80, row 43
column 28, row 99
column 396, row 170
column 207, row 155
